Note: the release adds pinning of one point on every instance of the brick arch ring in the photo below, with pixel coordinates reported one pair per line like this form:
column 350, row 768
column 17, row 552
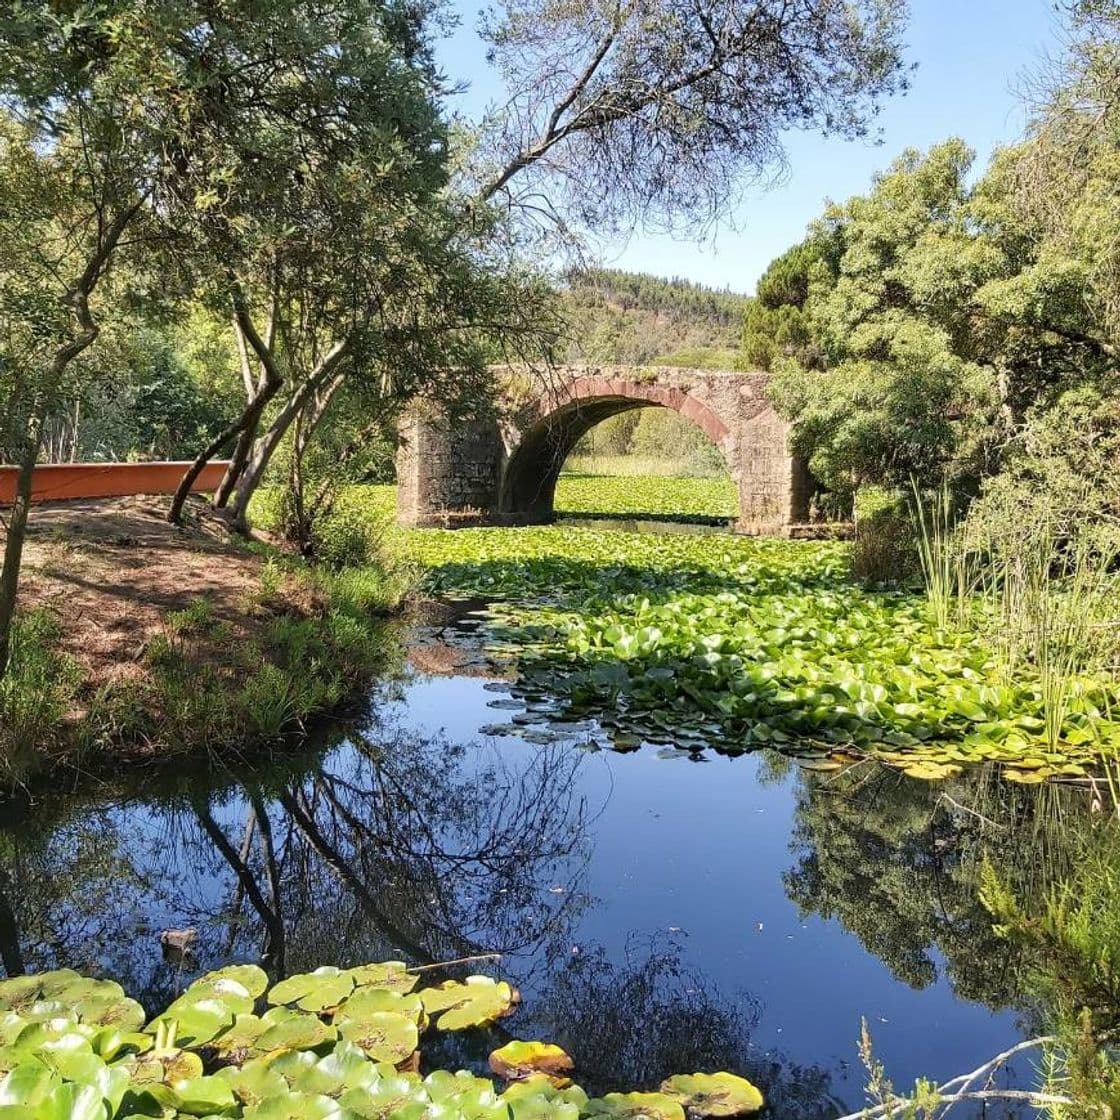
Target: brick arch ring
column 561, row 419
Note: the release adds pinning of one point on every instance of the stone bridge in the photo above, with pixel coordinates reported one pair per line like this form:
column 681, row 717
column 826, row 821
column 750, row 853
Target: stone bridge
column 503, row 468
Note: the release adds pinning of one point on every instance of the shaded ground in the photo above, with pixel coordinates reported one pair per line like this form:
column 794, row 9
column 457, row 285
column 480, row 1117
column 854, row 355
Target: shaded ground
column 111, row 569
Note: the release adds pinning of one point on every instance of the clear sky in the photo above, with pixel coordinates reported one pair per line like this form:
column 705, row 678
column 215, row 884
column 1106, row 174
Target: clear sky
column 970, row 55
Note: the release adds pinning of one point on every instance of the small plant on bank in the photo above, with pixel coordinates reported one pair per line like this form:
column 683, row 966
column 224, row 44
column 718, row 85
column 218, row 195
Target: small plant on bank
column 35, row 694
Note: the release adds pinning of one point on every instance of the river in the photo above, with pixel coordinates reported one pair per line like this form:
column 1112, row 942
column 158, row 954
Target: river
column 661, row 910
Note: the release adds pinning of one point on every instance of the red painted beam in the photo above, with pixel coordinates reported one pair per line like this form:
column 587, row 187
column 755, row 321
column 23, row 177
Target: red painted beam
column 60, row 481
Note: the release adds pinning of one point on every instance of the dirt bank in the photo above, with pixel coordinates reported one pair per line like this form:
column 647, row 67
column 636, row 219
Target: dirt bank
column 144, row 639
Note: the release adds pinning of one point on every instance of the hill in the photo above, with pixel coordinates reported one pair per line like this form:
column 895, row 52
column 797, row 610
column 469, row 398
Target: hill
column 634, row 318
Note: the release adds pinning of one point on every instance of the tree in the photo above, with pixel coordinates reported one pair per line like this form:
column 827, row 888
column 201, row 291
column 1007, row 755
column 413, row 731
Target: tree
column 657, row 109
column 65, row 204
column 951, row 318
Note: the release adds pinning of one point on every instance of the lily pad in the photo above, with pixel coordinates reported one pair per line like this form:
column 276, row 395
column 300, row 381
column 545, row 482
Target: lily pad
column 473, row 1003
column 714, row 1094
column 250, row 976
column 537, row 1097
column 313, row 991
column 295, row 1106
column 195, row 1023
column 391, row 975
column 518, row 1060
column 640, row 1106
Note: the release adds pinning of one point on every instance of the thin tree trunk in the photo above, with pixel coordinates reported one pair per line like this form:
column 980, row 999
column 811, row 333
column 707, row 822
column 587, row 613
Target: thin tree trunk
column 245, row 422
column 267, row 388
column 77, row 299
column 17, row 531
column 248, row 436
column 270, row 441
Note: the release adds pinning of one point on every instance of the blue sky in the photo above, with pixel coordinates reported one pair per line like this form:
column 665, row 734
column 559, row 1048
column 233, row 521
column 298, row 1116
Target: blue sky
column 970, row 55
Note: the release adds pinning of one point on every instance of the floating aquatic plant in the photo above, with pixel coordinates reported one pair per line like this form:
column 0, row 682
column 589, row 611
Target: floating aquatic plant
column 737, row 644
column 333, row 1044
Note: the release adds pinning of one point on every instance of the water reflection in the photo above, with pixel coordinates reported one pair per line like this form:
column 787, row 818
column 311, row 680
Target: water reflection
column 657, row 916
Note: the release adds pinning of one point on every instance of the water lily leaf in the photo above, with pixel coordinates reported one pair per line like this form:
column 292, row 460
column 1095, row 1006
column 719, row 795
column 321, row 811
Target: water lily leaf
column 473, row 1003
column 217, row 988
column 378, row 1103
column 27, row 1084
column 931, row 771
column 640, row 1106
column 290, row 1030
column 366, row 1001
column 714, row 1094
column 122, row 1013
column 295, row 1106
column 384, row 1035
column 517, row 1060
column 463, row 1095
column 240, row 1040
column 205, row 1096
column 392, row 975
column 250, row 976
column 1025, row 777
column 253, row 1082
column 536, row 1097
column 165, row 1067
column 389, row 1093
column 279, row 1028
column 313, row 991
column 69, row 1101
column 196, row 1022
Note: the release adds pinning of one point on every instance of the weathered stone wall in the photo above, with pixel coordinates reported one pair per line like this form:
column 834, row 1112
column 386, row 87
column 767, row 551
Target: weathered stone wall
column 504, row 469
column 448, row 473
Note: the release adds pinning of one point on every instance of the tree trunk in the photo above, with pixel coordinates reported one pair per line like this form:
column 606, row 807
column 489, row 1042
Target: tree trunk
column 268, row 443
column 267, row 387
column 247, row 421
column 17, row 531
column 236, row 466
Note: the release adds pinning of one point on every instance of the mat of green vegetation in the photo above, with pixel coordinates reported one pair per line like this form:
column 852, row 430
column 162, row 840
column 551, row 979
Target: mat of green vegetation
column 740, row 643
column 636, row 496
column 333, row 1044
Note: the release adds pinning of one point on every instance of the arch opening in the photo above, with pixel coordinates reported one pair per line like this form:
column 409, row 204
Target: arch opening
column 534, row 469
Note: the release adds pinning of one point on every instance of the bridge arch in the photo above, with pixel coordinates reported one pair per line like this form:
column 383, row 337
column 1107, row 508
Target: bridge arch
column 534, row 463
column 502, row 466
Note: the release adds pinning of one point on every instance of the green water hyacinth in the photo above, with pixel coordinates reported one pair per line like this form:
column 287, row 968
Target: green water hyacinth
column 349, row 1054
column 733, row 643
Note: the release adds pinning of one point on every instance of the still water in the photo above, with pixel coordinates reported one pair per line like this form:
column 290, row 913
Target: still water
column 661, row 911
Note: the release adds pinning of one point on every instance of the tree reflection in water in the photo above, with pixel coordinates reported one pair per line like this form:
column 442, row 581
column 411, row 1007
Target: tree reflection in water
column 399, row 847
column 392, row 845
column 384, row 847
column 898, row 862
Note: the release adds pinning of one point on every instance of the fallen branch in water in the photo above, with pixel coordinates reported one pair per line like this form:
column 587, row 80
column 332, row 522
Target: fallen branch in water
column 448, row 964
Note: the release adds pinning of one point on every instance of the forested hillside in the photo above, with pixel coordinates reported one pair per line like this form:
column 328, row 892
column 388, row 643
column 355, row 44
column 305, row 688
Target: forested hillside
column 632, row 317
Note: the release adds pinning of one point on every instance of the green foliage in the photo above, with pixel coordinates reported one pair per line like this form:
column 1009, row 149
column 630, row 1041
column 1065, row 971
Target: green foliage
column 630, row 318
column 785, row 283
column 884, row 547
column 659, row 436
column 705, row 500
column 335, row 1043
column 35, row 693
column 202, row 691
column 772, row 333
column 699, row 357
column 714, row 640
column 1071, row 938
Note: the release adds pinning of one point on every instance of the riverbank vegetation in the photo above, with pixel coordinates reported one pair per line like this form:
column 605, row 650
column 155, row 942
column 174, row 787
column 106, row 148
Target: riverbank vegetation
column 145, row 643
